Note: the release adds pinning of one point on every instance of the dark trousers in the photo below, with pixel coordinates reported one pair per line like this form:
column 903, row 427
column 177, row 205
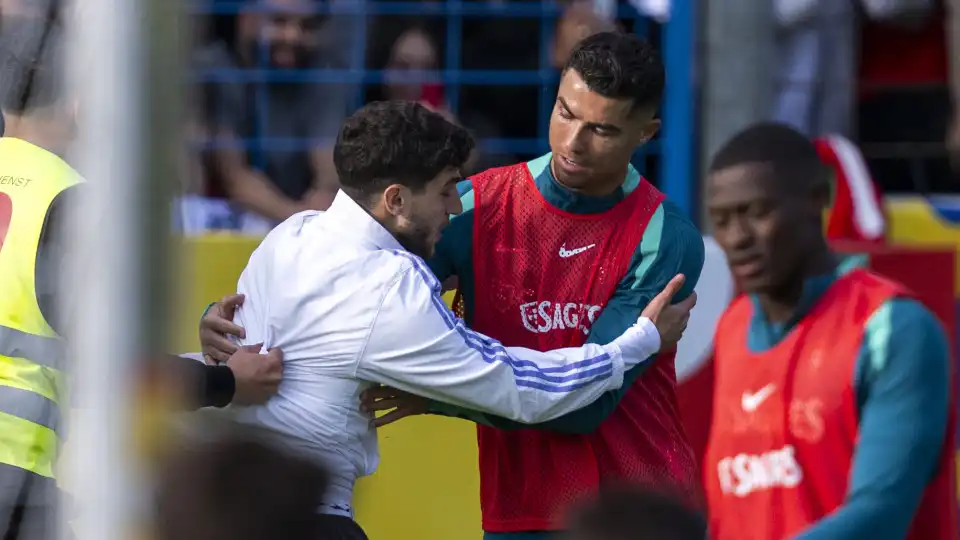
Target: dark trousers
column 331, row 527
column 28, row 505
column 32, row 523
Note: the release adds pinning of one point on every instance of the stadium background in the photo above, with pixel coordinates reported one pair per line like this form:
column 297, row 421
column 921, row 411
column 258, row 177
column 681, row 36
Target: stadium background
column 427, row 485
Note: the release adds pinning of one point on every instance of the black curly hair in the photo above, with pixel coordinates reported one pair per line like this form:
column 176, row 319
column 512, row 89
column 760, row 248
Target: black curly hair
column 396, row 142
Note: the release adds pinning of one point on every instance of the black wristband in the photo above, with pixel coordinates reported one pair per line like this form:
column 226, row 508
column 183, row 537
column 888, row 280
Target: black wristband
column 219, row 386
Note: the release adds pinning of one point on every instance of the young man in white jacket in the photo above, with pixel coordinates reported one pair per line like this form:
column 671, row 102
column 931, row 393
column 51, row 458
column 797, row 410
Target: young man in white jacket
column 347, row 297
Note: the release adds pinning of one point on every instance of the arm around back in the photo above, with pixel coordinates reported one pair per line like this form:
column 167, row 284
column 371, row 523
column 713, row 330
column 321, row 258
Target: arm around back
column 670, row 245
column 416, row 344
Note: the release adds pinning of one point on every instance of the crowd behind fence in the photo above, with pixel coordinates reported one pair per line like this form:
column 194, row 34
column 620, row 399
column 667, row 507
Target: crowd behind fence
column 272, row 83
column 273, row 79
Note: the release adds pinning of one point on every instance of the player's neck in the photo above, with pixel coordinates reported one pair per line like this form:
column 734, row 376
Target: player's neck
column 33, row 130
column 781, row 304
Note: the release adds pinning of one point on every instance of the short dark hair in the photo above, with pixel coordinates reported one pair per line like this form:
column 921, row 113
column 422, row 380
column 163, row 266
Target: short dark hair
column 32, row 63
column 635, row 513
column 400, row 142
column 791, row 154
column 619, row 65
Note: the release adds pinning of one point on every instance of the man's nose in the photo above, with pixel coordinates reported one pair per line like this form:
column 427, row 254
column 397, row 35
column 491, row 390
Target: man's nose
column 576, row 142
column 740, row 235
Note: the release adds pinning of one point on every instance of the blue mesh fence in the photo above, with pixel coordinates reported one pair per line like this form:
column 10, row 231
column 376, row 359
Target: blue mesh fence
column 669, row 160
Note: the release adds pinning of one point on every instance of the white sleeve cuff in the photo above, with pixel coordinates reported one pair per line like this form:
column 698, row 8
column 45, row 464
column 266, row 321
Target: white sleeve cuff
column 638, row 343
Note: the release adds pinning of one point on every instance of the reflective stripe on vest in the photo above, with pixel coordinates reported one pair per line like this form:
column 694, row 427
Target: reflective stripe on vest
column 30, row 385
column 29, row 406
column 45, row 351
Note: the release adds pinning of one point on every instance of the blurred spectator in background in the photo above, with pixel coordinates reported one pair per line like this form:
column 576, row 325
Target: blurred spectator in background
column 412, row 54
column 239, row 486
column 273, row 178
column 502, row 109
column 815, row 65
column 875, row 71
column 579, row 20
column 904, row 101
column 191, row 168
column 634, row 513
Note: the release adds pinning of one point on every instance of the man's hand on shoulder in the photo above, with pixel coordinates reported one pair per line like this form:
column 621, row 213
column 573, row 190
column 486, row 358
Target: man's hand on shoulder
column 638, row 342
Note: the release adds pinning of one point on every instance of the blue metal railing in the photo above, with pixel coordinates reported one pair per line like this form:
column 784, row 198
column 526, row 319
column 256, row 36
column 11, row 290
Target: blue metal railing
column 452, row 77
column 454, row 45
column 300, row 144
column 511, row 10
column 675, row 147
column 679, row 108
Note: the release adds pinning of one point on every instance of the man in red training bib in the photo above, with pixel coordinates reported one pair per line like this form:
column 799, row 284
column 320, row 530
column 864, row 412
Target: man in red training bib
column 833, row 410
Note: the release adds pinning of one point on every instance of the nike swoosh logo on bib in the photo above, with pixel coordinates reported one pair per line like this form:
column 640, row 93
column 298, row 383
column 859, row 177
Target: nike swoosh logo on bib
column 567, row 253
column 750, row 402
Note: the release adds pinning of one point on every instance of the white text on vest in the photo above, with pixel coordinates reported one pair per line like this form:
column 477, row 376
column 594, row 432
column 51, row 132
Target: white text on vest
column 743, row 474
column 543, row 316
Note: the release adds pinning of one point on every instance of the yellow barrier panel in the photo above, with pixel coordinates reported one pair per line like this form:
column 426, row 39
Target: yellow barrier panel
column 210, row 268
column 427, row 485
column 914, row 221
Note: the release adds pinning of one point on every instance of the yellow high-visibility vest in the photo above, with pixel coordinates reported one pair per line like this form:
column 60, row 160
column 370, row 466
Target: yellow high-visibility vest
column 32, row 355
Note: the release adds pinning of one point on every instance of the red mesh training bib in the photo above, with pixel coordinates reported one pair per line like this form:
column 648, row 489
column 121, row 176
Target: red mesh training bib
column 785, row 422
column 542, row 277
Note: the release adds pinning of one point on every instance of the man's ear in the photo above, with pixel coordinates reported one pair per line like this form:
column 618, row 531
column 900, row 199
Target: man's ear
column 394, row 199
column 648, row 132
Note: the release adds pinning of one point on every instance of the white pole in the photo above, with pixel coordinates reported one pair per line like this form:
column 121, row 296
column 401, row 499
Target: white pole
column 106, row 279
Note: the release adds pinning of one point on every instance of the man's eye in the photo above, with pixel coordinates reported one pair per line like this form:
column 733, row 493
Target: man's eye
column 718, row 220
